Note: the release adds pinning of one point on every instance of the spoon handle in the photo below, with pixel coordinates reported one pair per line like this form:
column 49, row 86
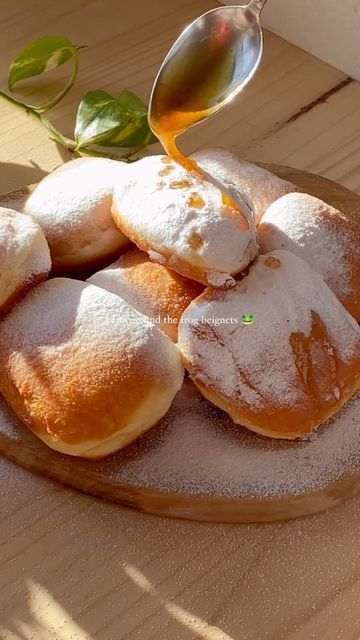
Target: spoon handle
column 256, row 5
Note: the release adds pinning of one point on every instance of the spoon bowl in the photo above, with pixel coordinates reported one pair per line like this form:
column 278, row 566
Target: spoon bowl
column 209, row 64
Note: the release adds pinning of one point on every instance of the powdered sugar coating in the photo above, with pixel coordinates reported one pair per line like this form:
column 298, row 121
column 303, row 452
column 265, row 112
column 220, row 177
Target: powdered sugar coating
column 84, row 370
column 24, row 252
column 17, row 234
column 197, row 449
column 149, row 287
column 115, row 279
column 63, row 311
column 256, row 186
column 159, row 217
column 72, row 205
column 320, row 234
column 255, row 366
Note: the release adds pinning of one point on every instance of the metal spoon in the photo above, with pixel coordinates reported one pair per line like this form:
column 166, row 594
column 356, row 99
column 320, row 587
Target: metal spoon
column 209, row 64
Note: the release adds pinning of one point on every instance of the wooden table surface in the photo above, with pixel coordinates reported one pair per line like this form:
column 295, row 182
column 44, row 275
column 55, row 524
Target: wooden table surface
column 73, row 568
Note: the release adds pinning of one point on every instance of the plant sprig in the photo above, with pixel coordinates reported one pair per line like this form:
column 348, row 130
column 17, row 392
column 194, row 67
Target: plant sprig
column 102, row 120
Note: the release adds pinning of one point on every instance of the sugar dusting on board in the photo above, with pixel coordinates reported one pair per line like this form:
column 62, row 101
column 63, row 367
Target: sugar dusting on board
column 196, row 449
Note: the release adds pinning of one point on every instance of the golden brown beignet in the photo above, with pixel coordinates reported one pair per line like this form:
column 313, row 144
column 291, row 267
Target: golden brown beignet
column 326, row 238
column 183, row 221
column 24, row 257
column 157, row 292
column 85, row 371
column 289, row 370
column 257, row 186
column 73, row 207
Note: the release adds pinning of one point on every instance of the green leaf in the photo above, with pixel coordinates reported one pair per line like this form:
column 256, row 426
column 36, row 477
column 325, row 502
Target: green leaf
column 112, row 122
column 131, row 101
column 138, row 132
column 39, row 56
column 99, row 118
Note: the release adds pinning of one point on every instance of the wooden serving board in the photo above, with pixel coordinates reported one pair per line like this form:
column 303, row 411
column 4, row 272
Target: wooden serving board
column 195, row 463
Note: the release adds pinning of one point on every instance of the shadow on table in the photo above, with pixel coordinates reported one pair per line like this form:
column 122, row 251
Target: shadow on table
column 11, row 173
column 14, row 176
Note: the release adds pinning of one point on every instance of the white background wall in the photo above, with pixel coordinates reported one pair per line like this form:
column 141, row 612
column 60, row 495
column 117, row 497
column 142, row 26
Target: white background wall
column 329, row 29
